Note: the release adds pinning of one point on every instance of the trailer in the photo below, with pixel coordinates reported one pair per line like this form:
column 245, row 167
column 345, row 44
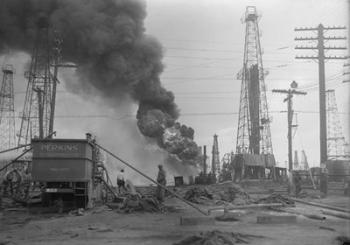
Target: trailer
column 68, row 172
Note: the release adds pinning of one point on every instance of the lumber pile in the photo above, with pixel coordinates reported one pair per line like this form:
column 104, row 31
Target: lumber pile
column 199, row 195
column 234, row 194
column 276, row 198
column 218, row 194
column 134, row 203
column 217, row 238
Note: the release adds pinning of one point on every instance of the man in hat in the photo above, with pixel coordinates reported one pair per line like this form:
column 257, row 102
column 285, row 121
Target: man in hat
column 161, row 179
column 121, row 180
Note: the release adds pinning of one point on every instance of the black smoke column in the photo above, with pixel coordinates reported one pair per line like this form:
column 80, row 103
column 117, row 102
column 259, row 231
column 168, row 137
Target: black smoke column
column 107, row 40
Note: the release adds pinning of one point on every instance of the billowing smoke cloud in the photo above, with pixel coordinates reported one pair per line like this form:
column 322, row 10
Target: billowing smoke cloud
column 107, row 40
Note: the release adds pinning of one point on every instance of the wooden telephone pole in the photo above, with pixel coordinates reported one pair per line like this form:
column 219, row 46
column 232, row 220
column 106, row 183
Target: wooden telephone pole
column 290, row 92
column 321, row 57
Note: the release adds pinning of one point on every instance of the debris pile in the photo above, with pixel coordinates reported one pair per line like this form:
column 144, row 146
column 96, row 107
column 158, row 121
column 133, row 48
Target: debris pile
column 343, row 239
column 199, row 195
column 217, row 238
column 137, row 203
column 218, row 194
column 276, row 198
column 234, row 194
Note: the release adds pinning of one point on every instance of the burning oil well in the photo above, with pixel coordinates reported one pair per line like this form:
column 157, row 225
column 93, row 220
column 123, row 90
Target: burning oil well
column 107, row 41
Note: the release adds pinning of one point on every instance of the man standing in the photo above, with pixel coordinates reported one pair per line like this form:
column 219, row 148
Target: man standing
column 297, row 181
column 161, row 179
column 12, row 180
column 291, row 187
column 324, row 182
column 121, row 180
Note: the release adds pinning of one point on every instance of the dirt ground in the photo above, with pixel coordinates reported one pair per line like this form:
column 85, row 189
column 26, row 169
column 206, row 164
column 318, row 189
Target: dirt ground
column 104, row 226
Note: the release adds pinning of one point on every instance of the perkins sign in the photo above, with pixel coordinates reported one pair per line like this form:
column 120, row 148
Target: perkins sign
column 62, row 149
column 52, row 147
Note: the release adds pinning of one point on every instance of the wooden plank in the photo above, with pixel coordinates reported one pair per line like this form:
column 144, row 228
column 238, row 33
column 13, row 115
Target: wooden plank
column 336, row 214
column 248, row 206
column 321, row 205
column 276, row 219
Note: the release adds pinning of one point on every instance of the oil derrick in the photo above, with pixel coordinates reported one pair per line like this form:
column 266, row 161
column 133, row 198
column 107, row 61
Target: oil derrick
column 215, row 161
column 336, row 143
column 253, row 133
column 37, row 114
column 7, row 109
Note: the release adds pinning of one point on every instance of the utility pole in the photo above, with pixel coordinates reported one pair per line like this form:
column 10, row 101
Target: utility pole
column 40, row 92
column 36, row 110
column 321, row 48
column 205, row 160
column 290, row 92
column 57, row 55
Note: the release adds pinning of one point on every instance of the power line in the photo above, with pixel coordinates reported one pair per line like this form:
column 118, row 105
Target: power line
column 229, row 43
column 220, row 58
column 186, row 114
column 91, row 116
column 276, row 51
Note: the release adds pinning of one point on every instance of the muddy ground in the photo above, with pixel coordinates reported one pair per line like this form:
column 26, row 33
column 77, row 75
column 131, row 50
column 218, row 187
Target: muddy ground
column 102, row 225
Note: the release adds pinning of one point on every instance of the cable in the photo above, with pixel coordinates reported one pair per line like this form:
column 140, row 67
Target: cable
column 223, row 59
column 277, row 51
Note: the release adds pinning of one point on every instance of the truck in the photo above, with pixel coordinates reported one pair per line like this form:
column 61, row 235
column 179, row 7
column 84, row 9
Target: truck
column 68, row 172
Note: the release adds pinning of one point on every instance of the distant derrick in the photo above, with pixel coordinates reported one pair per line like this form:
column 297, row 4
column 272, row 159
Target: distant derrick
column 7, row 111
column 215, row 162
column 336, row 144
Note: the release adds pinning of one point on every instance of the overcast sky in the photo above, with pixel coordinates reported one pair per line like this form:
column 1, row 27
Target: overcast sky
column 203, row 42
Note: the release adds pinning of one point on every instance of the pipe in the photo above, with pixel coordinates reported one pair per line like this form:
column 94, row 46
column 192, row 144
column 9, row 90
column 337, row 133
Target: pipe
column 149, row 178
column 14, row 148
column 22, row 154
column 336, row 214
column 310, row 216
column 14, row 160
column 321, row 205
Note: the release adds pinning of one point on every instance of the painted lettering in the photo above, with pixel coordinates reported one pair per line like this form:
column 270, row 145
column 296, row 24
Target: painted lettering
column 50, row 147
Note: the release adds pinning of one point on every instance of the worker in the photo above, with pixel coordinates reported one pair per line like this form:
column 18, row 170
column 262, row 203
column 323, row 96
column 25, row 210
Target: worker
column 238, row 165
column 324, row 182
column 27, row 178
column 297, row 182
column 12, row 179
column 130, row 187
column 290, row 181
column 161, row 179
column 121, row 180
